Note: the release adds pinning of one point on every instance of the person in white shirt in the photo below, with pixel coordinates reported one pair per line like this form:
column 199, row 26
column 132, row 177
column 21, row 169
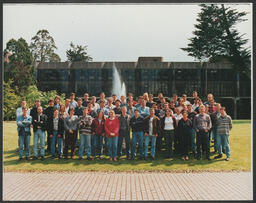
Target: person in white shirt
column 185, row 101
column 94, row 104
column 19, row 110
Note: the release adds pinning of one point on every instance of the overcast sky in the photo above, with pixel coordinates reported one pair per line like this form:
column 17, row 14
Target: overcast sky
column 112, row 32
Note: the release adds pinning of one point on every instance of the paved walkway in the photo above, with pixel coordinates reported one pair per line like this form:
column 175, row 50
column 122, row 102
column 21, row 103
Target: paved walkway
column 127, row 186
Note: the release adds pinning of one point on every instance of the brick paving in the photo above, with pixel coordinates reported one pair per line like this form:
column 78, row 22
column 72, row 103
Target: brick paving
column 127, row 186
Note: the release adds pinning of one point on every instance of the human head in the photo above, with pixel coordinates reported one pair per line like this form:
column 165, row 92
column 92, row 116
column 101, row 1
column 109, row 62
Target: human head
column 67, row 102
column 124, row 110
column 24, row 111
column 110, row 100
column 100, row 115
column 209, row 97
column 212, row 102
column 39, row 110
column 140, row 99
column 175, row 97
column 55, row 112
column 51, row 102
column 114, row 97
column 23, row 103
column 71, row 111
column 195, row 95
column 86, row 96
column 168, row 112
column 160, row 95
column 189, row 106
column 152, row 112
column 223, row 111
column 72, row 96
column 130, row 103
column 136, row 113
column 185, row 114
column 122, row 98
column 184, row 97
column 102, row 104
column 37, row 102
column 117, row 103
column 145, row 96
column 178, row 111
column 112, row 114
column 143, row 103
column 218, row 106
column 93, row 100
column 150, row 97
column 85, row 111
column 166, row 105
column 102, row 95
column 57, row 99
column 79, row 101
column 202, row 109
column 62, row 108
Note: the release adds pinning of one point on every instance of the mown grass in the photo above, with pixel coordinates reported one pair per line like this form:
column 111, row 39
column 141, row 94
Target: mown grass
column 240, row 140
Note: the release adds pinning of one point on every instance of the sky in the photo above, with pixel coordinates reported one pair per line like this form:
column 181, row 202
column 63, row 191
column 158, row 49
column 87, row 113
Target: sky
column 113, row 32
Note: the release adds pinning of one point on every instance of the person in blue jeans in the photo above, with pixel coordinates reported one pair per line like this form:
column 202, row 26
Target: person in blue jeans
column 151, row 129
column 56, row 131
column 224, row 125
column 39, row 127
column 137, row 125
column 85, row 130
column 98, row 133
column 23, row 122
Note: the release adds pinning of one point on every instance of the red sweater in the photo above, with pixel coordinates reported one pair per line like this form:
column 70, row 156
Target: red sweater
column 98, row 128
column 111, row 126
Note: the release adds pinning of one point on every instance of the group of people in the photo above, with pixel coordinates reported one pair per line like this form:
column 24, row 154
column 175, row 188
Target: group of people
column 176, row 124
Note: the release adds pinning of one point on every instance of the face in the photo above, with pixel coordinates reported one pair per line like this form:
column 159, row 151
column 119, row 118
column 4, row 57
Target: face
column 122, row 98
column 136, row 113
column 178, row 111
column 71, row 112
column 102, row 104
column 150, row 97
column 185, row 115
column 184, row 98
column 152, row 112
column 110, row 101
column 165, row 106
column 111, row 114
column 210, row 97
column 218, row 107
column 114, row 97
column 168, row 112
column 222, row 111
column 93, row 99
column 189, row 108
column 85, row 111
column 212, row 103
column 102, row 95
column 51, row 104
column 86, row 97
column 143, row 104
column 62, row 108
column 194, row 94
column 72, row 97
column 101, row 115
column 123, row 110
column 130, row 104
column 67, row 103
column 38, row 103
column 39, row 110
column 202, row 109
column 79, row 102
column 117, row 104
column 55, row 113
column 23, row 103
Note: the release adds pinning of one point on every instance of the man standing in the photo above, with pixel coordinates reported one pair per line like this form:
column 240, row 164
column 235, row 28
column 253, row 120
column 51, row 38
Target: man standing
column 224, row 125
column 144, row 110
column 86, row 100
column 23, row 122
column 73, row 103
column 151, row 129
column 19, row 110
column 79, row 108
column 202, row 125
column 39, row 127
column 49, row 113
column 191, row 116
column 33, row 112
column 137, row 125
column 124, row 133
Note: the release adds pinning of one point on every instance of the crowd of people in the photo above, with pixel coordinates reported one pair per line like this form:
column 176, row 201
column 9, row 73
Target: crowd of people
column 120, row 126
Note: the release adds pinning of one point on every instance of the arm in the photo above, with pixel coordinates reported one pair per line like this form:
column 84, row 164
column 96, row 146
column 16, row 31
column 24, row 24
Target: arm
column 116, row 129
column 230, row 123
column 66, row 127
column 107, row 130
column 19, row 122
column 209, row 123
column 28, row 121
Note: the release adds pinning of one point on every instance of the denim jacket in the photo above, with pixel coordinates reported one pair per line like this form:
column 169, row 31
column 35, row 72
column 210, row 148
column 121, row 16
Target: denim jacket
column 24, row 123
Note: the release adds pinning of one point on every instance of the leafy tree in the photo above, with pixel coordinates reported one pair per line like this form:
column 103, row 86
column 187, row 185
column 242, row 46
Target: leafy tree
column 18, row 65
column 215, row 37
column 78, row 53
column 11, row 101
column 43, row 47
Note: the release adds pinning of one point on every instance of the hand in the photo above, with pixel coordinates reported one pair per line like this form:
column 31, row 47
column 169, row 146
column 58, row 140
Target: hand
column 31, row 126
column 59, row 135
column 197, row 130
column 156, row 135
column 146, row 134
column 103, row 134
column 71, row 131
column 206, row 131
column 51, row 136
column 112, row 134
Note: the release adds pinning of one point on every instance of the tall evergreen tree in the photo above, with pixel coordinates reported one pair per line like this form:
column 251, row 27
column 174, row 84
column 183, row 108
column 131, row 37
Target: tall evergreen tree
column 43, row 47
column 217, row 38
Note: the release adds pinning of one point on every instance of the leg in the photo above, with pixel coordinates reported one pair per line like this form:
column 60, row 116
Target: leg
column 219, row 145
column 198, row 145
column 60, row 145
column 109, row 143
column 120, row 141
column 171, row 142
column 88, row 145
column 193, row 140
column 127, row 143
column 36, row 136
column 226, row 145
column 146, row 138
column 81, row 146
column 141, row 136
column 48, row 143
column 167, row 140
column 53, row 140
column 27, row 141
column 153, row 146
column 66, row 144
column 73, row 143
column 42, row 142
column 114, row 146
column 134, row 143
column 21, row 144
column 206, row 143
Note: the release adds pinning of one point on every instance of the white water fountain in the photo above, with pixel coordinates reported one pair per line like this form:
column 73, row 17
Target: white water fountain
column 118, row 87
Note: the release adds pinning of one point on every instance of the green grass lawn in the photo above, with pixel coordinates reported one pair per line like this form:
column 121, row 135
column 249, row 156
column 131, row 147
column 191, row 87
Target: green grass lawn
column 240, row 140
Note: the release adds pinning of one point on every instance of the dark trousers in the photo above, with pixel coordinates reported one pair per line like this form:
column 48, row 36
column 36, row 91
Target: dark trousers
column 159, row 142
column 48, row 142
column 177, row 143
column 70, row 140
column 123, row 134
column 169, row 139
column 202, row 141
column 185, row 143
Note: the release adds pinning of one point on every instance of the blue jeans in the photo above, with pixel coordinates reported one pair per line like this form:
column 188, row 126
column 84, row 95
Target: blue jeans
column 59, row 142
column 97, row 142
column 223, row 143
column 137, row 137
column 24, row 139
column 112, row 146
column 153, row 145
column 193, row 139
column 85, row 142
column 39, row 135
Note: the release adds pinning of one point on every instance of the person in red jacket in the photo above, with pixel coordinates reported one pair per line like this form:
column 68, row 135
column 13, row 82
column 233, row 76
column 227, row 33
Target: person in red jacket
column 98, row 133
column 112, row 130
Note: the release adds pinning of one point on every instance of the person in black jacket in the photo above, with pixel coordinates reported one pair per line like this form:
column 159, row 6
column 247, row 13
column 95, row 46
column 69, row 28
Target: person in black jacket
column 39, row 126
column 49, row 113
column 56, row 131
column 137, row 125
column 33, row 112
column 184, row 129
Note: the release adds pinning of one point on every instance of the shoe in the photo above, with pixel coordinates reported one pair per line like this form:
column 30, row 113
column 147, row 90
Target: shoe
column 66, row 158
column 110, row 159
column 141, row 158
column 128, row 158
column 218, row 156
column 59, row 157
column 42, row 158
column 182, row 158
column 89, row 158
column 35, row 158
column 72, row 157
column 115, row 159
column 93, row 157
column 132, row 158
column 198, row 158
column 209, row 159
column 53, row 157
column 227, row 159
column 153, row 157
column 20, row 159
column 80, row 158
column 186, row 158
column 100, row 157
column 224, row 151
column 145, row 158
column 27, row 158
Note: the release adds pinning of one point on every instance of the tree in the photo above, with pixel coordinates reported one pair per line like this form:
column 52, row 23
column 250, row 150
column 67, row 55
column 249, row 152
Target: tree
column 78, row 53
column 216, row 37
column 43, row 47
column 18, row 64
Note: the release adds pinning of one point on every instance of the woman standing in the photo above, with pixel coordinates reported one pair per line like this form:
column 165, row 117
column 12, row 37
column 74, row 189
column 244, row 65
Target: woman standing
column 70, row 125
column 168, row 126
column 112, row 130
column 184, row 130
column 98, row 133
